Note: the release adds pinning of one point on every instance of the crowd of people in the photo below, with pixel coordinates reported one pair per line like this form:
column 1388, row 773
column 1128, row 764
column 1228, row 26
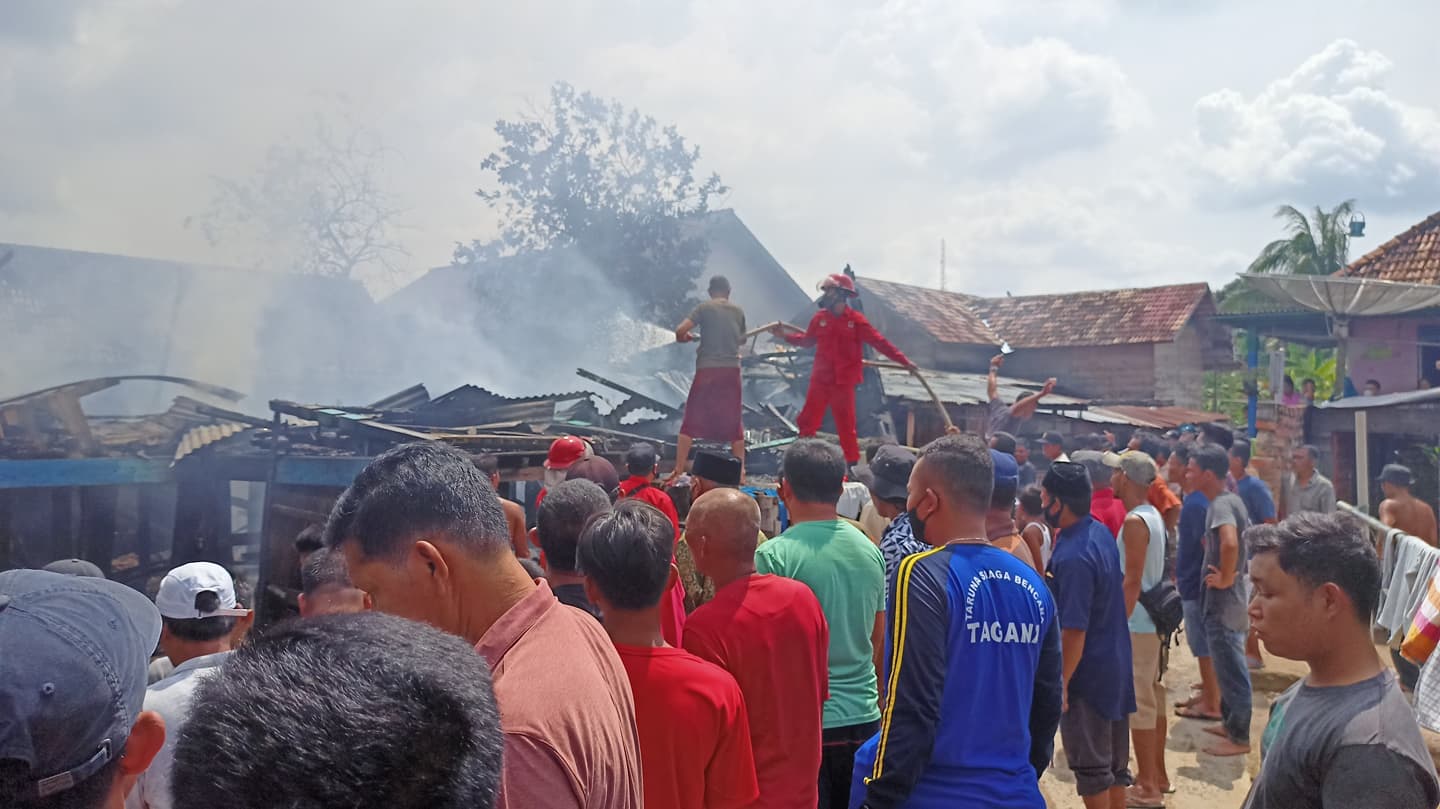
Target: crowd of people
column 1004, row 601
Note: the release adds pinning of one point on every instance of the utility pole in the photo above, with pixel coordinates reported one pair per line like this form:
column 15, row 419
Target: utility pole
column 942, row 265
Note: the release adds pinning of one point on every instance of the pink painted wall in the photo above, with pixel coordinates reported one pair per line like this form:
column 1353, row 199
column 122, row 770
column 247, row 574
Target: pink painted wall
column 1384, row 349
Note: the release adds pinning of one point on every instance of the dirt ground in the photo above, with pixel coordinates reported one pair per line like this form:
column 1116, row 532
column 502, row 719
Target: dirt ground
column 1200, row 781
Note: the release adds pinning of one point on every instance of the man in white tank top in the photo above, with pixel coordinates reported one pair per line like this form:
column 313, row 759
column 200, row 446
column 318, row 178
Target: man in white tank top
column 1142, row 551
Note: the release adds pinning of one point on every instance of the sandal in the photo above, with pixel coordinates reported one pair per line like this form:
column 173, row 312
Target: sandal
column 1190, row 713
column 1134, row 800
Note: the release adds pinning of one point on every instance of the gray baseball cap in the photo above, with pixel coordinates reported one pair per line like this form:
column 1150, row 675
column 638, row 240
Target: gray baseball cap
column 73, row 692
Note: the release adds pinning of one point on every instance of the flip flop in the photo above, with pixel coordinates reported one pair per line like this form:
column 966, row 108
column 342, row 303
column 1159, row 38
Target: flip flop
column 1192, row 702
column 1216, row 730
column 1133, row 802
column 1191, row 713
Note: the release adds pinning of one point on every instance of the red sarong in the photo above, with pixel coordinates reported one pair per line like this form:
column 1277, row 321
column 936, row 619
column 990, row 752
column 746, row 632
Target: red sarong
column 712, row 411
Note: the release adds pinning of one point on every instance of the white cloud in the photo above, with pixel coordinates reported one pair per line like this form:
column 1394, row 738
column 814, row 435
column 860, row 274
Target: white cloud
column 1326, row 132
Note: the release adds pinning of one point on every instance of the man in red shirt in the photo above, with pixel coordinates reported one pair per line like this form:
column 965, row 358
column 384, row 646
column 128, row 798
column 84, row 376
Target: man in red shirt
column 1105, row 507
column 694, row 732
column 770, row 633
column 642, row 462
column 839, row 335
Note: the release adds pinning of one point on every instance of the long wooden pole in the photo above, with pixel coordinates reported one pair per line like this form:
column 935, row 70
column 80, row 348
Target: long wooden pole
column 915, row 372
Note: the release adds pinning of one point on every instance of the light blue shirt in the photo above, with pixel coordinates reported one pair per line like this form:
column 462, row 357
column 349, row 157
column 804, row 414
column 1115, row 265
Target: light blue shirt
column 170, row 698
column 1154, row 569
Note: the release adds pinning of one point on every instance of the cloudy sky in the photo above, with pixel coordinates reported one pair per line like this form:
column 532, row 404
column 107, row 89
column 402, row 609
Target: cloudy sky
column 1053, row 144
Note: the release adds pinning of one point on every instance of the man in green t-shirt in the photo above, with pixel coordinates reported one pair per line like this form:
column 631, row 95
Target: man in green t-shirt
column 847, row 574
column 712, row 410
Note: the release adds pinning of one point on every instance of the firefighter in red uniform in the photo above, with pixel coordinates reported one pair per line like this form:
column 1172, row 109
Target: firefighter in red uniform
column 839, row 335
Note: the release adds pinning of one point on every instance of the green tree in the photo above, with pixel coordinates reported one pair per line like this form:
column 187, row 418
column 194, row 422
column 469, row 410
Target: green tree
column 590, row 175
column 1319, row 245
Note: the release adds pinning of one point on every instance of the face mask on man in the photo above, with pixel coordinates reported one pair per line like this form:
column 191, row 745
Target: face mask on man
column 1052, row 514
column 917, row 525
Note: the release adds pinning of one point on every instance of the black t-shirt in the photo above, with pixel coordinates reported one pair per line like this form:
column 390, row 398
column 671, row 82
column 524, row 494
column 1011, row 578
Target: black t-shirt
column 574, row 595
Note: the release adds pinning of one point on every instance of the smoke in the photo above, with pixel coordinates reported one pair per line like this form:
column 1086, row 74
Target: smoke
column 518, row 326
column 67, row 316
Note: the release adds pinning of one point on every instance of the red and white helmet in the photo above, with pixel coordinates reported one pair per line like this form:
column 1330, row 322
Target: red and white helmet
column 840, row 281
column 566, row 451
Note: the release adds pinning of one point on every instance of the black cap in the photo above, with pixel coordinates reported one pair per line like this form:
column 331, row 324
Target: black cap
column 1067, row 479
column 891, row 467
column 717, row 468
column 1396, row 474
column 1053, row 437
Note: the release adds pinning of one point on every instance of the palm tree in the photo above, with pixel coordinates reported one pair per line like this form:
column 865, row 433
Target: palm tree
column 1319, row 245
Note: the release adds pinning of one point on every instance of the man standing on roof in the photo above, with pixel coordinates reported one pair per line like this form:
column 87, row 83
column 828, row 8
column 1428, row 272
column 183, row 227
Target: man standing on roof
column 712, row 410
column 1003, row 417
column 839, row 335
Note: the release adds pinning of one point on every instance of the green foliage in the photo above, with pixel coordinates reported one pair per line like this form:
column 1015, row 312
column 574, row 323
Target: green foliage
column 1319, row 245
column 1224, row 392
column 1303, row 362
column 588, row 174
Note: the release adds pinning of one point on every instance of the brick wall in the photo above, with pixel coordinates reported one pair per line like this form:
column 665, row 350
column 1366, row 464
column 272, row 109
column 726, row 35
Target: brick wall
column 1124, row 372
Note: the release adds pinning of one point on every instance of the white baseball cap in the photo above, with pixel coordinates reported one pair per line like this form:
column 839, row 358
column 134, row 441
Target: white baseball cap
column 176, row 599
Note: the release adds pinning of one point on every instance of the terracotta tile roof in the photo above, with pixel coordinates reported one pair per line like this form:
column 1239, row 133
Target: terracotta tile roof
column 1101, row 317
column 1412, row 257
column 946, row 316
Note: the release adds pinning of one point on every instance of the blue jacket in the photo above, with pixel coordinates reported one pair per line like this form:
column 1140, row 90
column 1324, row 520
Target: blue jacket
column 973, row 685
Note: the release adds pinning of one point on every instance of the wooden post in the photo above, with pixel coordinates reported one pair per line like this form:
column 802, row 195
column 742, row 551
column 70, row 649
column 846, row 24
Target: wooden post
column 1362, row 459
column 909, row 426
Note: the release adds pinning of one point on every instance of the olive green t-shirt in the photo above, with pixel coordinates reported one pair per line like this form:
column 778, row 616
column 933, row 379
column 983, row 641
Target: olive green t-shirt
column 722, row 330
column 847, row 574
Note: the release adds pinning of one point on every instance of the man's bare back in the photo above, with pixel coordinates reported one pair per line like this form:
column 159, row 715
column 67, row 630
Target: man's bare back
column 1411, row 515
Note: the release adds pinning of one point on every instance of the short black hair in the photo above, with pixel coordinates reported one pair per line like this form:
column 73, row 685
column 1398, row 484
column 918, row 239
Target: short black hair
column 1318, row 548
column 414, row 489
column 392, row 698
column 1153, row 445
column 640, row 459
column 719, row 284
column 1029, row 499
column 814, row 471
column 1307, row 381
column 562, row 517
column 201, row 629
column 1374, row 382
column 627, row 554
column 963, row 465
column 1182, row 452
column 1241, row 449
column 489, row 464
column 310, row 539
column 1211, row 458
column 1311, row 450
column 1003, row 442
column 325, row 568
column 532, row 568
column 1217, row 433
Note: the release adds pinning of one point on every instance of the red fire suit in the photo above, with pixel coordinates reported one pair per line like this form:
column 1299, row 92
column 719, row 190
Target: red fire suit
column 839, row 342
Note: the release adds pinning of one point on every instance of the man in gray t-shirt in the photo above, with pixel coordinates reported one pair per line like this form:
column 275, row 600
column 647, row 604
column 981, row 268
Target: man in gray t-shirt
column 1222, row 602
column 1344, row 736
column 1226, row 604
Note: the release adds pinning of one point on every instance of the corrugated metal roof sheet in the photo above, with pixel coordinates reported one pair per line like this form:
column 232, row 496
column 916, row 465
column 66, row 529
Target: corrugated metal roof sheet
column 1158, row 417
column 962, row 388
column 204, row 436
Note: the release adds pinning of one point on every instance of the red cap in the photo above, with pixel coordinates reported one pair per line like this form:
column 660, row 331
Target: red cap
column 566, row 450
